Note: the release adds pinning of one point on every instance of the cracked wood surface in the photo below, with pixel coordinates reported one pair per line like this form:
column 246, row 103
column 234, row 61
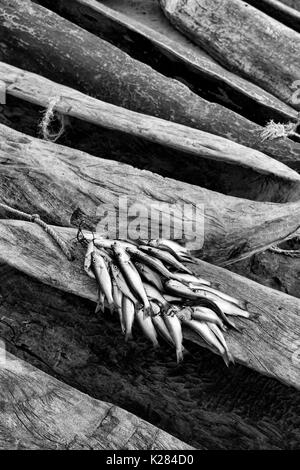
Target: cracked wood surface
column 39, row 90
column 40, row 412
column 243, row 39
column 267, row 344
column 54, row 181
column 139, row 20
column 200, row 401
column 61, row 50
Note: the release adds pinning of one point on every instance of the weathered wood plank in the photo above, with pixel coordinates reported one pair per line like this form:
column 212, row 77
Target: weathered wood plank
column 52, row 180
column 39, row 90
column 276, row 270
column 40, row 412
column 266, row 51
column 267, row 345
column 62, row 51
column 280, row 11
column 200, row 401
column 134, row 23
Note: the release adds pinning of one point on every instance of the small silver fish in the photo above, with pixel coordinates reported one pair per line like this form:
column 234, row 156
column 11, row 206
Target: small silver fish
column 208, row 336
column 207, row 315
column 240, row 303
column 172, row 247
column 149, row 275
column 166, row 257
column 117, row 296
column 180, row 289
column 154, row 295
column 162, row 329
column 101, row 302
column 88, row 260
column 132, row 276
column 121, row 283
column 147, row 327
column 128, row 310
column 192, row 279
column 102, row 276
column 218, row 333
column 152, row 262
column 174, row 327
column 226, row 306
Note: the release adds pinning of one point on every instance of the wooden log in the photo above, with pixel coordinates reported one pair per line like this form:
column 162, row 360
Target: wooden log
column 280, row 11
column 276, row 270
column 266, row 51
column 40, row 412
column 26, row 247
column 62, row 51
column 54, row 181
column 292, row 3
column 141, row 29
column 41, row 91
column 60, row 334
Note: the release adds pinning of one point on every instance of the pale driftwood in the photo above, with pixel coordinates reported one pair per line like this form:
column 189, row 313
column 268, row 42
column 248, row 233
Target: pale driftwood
column 62, row 51
column 267, row 345
column 280, row 11
column 141, row 20
column 39, row 90
column 53, row 181
column 266, row 51
column 40, row 412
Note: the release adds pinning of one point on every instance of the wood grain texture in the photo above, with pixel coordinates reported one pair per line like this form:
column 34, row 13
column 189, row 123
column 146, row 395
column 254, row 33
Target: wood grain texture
column 243, row 39
column 62, row 51
column 41, row 91
column 275, row 270
column 54, row 181
column 201, row 401
column 280, row 11
column 137, row 22
column 40, row 412
column 267, row 345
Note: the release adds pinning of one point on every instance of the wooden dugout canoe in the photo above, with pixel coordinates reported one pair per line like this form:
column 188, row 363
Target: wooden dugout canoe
column 280, row 11
column 267, row 345
column 140, row 28
column 243, row 39
column 54, row 181
column 60, row 50
column 271, row 180
column 39, row 412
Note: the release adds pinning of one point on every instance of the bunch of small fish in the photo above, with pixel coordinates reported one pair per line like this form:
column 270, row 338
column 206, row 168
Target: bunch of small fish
column 149, row 283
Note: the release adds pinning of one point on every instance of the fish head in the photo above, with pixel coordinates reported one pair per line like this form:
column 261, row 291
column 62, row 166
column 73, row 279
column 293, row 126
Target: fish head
column 153, row 243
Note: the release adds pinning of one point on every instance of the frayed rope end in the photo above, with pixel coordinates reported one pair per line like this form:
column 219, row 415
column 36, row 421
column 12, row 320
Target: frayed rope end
column 50, row 116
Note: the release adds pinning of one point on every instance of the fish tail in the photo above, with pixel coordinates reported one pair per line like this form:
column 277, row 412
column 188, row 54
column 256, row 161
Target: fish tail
column 243, row 304
column 228, row 358
column 179, row 355
column 98, row 308
column 111, row 307
column 254, row 316
column 128, row 336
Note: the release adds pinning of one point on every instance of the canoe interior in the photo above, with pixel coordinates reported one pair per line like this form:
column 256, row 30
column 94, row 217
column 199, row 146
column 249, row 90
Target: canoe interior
column 142, row 49
column 201, row 402
column 224, row 178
